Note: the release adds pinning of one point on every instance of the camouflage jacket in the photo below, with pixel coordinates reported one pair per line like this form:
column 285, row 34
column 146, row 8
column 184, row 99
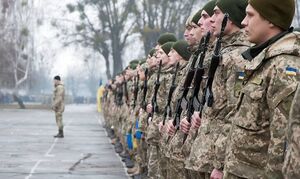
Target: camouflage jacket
column 180, row 73
column 153, row 134
column 292, row 159
column 202, row 153
column 58, row 102
column 256, row 140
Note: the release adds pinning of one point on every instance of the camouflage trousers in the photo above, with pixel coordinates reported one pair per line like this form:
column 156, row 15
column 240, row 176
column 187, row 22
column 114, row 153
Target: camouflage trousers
column 197, row 175
column 176, row 170
column 141, row 156
column 153, row 162
column 59, row 120
column 163, row 166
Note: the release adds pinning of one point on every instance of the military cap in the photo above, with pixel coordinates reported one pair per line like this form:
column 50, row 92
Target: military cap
column 151, row 52
column 166, row 37
column 278, row 12
column 209, row 7
column 181, row 47
column 167, row 47
column 133, row 64
column 197, row 16
column 235, row 8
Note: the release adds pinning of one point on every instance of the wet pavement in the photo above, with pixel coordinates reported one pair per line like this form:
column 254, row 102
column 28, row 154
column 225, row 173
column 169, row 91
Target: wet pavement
column 29, row 151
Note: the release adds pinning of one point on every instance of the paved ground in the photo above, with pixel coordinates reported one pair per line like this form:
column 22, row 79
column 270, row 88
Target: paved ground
column 29, row 151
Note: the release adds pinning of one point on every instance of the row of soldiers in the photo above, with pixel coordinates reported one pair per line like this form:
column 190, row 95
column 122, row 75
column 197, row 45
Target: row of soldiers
column 222, row 103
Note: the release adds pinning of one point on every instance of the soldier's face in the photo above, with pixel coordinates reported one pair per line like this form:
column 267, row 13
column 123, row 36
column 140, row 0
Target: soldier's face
column 187, row 34
column 174, row 57
column 162, row 56
column 216, row 21
column 205, row 23
column 195, row 34
column 256, row 27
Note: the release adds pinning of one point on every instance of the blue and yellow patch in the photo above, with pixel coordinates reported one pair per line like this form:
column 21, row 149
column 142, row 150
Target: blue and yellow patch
column 290, row 71
column 241, row 75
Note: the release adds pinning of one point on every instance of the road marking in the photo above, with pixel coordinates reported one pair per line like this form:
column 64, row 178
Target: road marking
column 47, row 154
column 50, row 149
column 33, row 169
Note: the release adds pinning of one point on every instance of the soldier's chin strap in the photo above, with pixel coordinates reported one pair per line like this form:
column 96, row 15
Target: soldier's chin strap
column 252, row 52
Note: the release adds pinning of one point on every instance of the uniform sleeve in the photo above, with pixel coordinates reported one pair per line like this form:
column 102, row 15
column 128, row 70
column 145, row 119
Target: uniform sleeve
column 279, row 96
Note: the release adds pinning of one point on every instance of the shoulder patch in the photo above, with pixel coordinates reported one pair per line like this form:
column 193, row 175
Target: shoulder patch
column 290, row 71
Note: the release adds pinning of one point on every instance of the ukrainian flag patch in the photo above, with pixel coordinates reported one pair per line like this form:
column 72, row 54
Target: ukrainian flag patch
column 290, row 71
column 241, row 75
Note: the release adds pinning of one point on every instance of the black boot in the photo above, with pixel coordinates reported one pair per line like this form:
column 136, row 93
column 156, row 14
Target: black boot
column 60, row 134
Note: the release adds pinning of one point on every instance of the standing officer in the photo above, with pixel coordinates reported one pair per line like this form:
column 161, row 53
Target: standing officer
column 58, row 105
column 256, row 143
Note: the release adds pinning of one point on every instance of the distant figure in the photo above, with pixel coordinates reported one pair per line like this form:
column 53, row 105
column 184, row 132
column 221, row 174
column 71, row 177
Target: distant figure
column 99, row 95
column 58, row 105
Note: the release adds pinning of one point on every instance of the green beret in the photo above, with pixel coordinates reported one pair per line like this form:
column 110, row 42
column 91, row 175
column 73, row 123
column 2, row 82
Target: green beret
column 151, row 52
column 235, row 8
column 181, row 47
column 167, row 47
column 166, row 37
column 278, row 12
column 133, row 64
column 209, row 7
column 197, row 16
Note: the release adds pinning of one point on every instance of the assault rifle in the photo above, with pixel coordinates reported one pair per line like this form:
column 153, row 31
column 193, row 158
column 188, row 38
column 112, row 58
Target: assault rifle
column 154, row 98
column 136, row 90
column 182, row 102
column 145, row 88
column 125, row 90
column 168, row 110
column 198, row 76
column 215, row 60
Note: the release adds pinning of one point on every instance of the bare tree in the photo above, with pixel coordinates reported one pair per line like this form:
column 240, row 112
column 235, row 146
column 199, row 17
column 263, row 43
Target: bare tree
column 107, row 32
column 154, row 17
column 17, row 50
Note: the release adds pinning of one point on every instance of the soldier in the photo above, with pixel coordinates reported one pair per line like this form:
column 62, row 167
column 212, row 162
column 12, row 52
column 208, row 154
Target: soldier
column 153, row 136
column 58, row 105
column 256, row 142
column 292, row 158
column 202, row 155
column 174, row 151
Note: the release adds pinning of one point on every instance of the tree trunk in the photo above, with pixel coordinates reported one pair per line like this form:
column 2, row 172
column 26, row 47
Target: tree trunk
column 18, row 100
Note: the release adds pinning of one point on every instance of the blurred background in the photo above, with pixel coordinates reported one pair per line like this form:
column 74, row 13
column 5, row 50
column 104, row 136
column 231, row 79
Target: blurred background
column 86, row 42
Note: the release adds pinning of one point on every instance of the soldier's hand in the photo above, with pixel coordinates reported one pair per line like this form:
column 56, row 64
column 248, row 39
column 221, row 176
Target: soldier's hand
column 149, row 108
column 170, row 128
column 196, row 120
column 185, row 126
column 216, row 174
column 161, row 127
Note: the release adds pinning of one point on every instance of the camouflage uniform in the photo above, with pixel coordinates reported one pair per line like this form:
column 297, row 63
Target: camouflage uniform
column 256, row 142
column 175, row 145
column 202, row 153
column 153, row 135
column 292, row 159
column 58, row 104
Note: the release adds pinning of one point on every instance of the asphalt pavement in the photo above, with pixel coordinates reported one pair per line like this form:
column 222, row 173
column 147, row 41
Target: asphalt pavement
column 29, row 151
